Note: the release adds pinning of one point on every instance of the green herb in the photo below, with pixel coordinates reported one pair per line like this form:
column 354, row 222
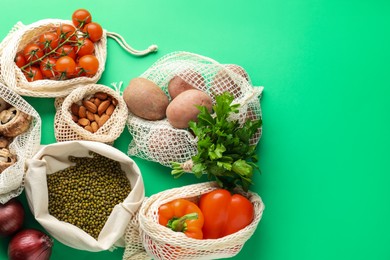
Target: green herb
column 224, row 152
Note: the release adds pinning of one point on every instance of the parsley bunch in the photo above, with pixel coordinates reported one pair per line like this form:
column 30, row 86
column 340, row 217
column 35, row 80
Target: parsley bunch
column 224, row 152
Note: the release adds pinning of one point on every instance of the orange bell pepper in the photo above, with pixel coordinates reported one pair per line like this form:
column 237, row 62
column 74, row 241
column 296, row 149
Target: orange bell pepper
column 224, row 214
column 182, row 215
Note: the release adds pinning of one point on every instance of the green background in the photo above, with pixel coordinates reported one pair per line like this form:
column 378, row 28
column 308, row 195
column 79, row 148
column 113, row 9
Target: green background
column 325, row 147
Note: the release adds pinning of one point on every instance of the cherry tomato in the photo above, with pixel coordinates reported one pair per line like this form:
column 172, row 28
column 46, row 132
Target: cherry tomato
column 20, row 60
column 84, row 46
column 66, row 50
column 65, row 31
column 81, row 17
column 93, row 31
column 47, row 67
column 66, row 66
column 32, row 52
column 79, row 72
column 89, row 64
column 48, row 41
column 33, row 73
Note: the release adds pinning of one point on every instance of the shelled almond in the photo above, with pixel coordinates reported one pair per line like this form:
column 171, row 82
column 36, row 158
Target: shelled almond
column 93, row 111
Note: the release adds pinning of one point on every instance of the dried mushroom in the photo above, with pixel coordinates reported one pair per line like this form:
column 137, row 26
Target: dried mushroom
column 4, row 142
column 13, row 122
column 3, row 104
column 6, row 159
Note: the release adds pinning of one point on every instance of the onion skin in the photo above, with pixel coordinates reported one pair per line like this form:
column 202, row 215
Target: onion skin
column 30, row 244
column 11, row 217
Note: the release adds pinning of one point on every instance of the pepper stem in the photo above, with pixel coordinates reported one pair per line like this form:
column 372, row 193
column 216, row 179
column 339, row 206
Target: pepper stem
column 179, row 224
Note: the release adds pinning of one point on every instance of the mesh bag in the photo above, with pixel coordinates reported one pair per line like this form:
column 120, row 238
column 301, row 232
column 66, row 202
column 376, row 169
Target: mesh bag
column 66, row 129
column 20, row 35
column 24, row 146
column 162, row 243
column 158, row 141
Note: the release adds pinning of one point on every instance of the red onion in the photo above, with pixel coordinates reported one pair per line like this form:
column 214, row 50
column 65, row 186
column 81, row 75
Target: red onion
column 30, row 244
column 11, row 217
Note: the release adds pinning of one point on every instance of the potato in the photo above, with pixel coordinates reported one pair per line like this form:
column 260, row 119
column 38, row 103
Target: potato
column 183, row 108
column 222, row 81
column 188, row 79
column 145, row 99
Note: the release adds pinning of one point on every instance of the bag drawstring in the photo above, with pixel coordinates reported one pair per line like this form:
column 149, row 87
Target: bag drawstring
column 117, row 37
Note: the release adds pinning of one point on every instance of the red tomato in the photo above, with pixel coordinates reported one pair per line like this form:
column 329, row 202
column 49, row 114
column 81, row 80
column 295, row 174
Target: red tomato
column 81, row 17
column 66, row 50
column 93, row 31
column 47, row 67
column 32, row 52
column 84, row 46
column 79, row 72
column 33, row 73
column 89, row 64
column 66, row 32
column 48, row 41
column 20, row 60
column 66, row 66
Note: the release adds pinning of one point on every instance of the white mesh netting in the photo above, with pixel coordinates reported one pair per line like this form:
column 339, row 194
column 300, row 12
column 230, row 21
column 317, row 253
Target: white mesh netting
column 24, row 146
column 159, row 242
column 21, row 35
column 65, row 129
column 158, row 141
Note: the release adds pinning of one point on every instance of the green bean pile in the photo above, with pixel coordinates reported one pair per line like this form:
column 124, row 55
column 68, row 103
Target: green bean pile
column 85, row 194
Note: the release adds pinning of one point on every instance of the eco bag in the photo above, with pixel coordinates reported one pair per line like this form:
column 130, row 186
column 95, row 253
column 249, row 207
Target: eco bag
column 159, row 141
column 160, row 242
column 54, row 157
column 110, row 124
column 20, row 139
column 21, row 35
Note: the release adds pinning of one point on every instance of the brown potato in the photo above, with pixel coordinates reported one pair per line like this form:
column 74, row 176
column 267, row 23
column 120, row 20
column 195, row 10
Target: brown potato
column 145, row 99
column 222, row 81
column 189, row 79
column 183, row 108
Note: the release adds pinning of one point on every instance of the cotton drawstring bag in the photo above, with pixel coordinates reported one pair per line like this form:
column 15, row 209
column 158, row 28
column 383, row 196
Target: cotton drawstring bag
column 21, row 35
column 160, row 242
column 54, row 157
column 23, row 146
column 157, row 140
column 66, row 129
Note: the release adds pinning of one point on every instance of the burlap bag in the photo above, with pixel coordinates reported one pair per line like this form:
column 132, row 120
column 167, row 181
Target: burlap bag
column 158, row 141
column 53, row 158
column 24, row 146
column 152, row 240
column 65, row 129
column 20, row 35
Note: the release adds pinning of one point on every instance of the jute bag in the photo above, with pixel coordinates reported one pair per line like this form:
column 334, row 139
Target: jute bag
column 53, row 158
column 152, row 240
column 20, row 35
column 66, row 129
column 23, row 146
column 157, row 140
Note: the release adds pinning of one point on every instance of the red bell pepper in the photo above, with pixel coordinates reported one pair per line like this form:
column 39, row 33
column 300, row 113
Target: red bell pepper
column 182, row 215
column 224, row 214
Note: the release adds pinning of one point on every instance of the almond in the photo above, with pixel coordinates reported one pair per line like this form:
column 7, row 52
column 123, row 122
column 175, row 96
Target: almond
column 91, row 107
column 74, row 108
column 97, row 117
column 110, row 110
column 103, row 119
column 103, row 107
column 83, row 122
column 101, row 95
column 90, row 116
column 94, row 126
column 82, row 112
column 75, row 118
column 88, row 128
column 97, row 102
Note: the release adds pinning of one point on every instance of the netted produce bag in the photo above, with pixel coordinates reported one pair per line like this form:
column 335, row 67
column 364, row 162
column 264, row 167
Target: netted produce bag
column 158, row 140
column 160, row 242
column 94, row 112
column 84, row 193
column 20, row 136
column 22, row 35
